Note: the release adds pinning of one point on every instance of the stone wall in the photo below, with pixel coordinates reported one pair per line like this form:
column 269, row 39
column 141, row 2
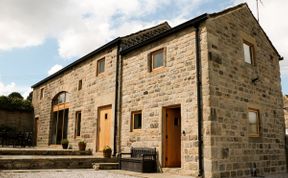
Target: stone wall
column 232, row 93
column 96, row 91
column 229, row 88
column 285, row 98
column 151, row 92
column 20, row 121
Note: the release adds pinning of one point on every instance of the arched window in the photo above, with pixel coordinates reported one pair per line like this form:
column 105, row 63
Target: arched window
column 59, row 120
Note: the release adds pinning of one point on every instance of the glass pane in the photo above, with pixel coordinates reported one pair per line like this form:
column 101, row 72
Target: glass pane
column 253, row 123
column 101, row 66
column 54, row 130
column 65, row 131
column 247, row 53
column 60, row 126
column 137, row 121
column 252, row 117
column 158, row 59
column 253, row 129
column 78, row 124
column 67, row 97
column 61, row 98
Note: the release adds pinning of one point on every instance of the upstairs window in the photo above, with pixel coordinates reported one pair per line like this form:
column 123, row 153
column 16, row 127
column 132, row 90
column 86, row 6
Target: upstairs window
column 254, row 123
column 41, row 93
column 100, row 66
column 156, row 59
column 248, row 52
column 136, row 120
column 80, row 85
column 78, row 124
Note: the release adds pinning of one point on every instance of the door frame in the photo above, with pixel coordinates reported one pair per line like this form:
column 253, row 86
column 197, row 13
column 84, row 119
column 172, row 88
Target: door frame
column 98, row 126
column 163, row 131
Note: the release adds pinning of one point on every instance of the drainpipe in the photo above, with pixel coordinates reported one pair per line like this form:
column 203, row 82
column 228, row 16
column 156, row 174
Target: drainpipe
column 116, row 108
column 199, row 101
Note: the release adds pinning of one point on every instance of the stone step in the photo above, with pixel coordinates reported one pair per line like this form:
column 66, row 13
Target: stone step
column 50, row 162
column 31, row 151
column 105, row 166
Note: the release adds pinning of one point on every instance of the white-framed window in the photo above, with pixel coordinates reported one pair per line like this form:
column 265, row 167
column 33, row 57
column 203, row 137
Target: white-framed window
column 248, row 50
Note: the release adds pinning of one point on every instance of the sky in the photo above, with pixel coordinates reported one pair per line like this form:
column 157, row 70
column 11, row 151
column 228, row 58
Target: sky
column 39, row 38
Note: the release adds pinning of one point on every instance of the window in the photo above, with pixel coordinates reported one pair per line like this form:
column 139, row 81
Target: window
column 78, row 124
column 100, row 66
column 41, row 93
column 136, row 122
column 80, row 85
column 254, row 123
column 156, row 59
column 248, row 52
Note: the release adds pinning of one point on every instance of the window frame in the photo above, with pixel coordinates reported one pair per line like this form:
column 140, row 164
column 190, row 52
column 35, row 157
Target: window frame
column 98, row 66
column 80, row 83
column 41, row 93
column 152, row 57
column 251, row 52
column 132, row 125
column 77, row 129
column 257, row 134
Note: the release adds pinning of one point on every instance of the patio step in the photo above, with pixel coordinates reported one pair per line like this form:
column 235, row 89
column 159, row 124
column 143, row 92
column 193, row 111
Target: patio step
column 105, row 166
column 31, row 151
column 50, row 162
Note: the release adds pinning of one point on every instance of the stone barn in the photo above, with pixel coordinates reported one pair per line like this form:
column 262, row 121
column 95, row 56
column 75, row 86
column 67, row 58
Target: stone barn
column 206, row 94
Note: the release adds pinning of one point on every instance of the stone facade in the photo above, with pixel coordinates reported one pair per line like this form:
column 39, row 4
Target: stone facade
column 285, row 98
column 229, row 85
column 97, row 91
column 149, row 92
column 232, row 92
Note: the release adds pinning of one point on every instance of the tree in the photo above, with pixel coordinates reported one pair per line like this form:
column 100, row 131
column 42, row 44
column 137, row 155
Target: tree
column 15, row 102
column 29, row 97
column 15, row 95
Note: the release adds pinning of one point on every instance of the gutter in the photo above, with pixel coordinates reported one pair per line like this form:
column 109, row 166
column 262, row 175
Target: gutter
column 199, row 101
column 117, row 103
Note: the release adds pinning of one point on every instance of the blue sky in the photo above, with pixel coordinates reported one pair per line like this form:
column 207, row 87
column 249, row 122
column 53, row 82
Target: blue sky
column 40, row 37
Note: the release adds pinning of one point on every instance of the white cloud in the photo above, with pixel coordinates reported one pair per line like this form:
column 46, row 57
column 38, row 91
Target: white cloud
column 12, row 87
column 80, row 26
column 54, row 69
column 272, row 19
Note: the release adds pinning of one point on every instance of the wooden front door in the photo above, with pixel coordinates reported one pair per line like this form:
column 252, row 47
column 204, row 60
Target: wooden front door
column 104, row 127
column 172, row 130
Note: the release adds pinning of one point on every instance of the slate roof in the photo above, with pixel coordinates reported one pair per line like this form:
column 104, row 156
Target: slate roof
column 143, row 35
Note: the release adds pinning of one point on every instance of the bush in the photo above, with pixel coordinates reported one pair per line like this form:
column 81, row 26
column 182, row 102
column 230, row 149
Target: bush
column 15, row 102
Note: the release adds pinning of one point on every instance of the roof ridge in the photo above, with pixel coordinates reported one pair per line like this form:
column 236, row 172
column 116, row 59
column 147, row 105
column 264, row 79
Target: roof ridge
column 150, row 28
column 232, row 8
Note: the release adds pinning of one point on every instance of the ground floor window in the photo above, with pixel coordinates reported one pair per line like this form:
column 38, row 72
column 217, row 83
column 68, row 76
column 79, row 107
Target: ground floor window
column 136, row 120
column 78, row 124
column 59, row 126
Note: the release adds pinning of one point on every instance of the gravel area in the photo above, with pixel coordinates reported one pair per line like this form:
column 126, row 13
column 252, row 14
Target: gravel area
column 71, row 173
column 91, row 173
